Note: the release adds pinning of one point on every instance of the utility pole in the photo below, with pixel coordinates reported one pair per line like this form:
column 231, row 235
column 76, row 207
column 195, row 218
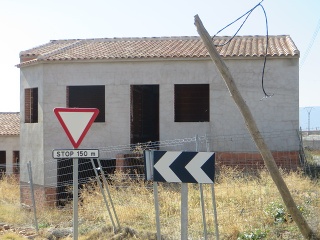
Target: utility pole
column 309, row 109
column 255, row 133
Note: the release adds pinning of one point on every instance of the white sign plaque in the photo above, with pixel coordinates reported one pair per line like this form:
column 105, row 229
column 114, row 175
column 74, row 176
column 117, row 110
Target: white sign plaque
column 75, row 153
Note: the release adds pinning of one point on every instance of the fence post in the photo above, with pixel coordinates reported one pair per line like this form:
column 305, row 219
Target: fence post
column 213, row 198
column 204, row 221
column 32, row 195
column 215, row 211
column 108, row 192
column 103, row 194
column 149, row 163
column 157, row 210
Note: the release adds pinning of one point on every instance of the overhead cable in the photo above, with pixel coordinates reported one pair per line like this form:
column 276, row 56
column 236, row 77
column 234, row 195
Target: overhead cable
column 247, row 14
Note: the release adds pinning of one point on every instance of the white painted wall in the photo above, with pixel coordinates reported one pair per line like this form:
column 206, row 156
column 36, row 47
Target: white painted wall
column 277, row 113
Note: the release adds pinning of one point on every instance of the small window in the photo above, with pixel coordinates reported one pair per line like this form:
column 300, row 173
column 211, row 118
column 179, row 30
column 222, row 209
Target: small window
column 31, row 105
column 87, row 97
column 191, row 103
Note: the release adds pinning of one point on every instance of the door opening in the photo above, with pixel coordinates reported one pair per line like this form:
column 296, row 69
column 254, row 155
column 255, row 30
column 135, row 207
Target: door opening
column 144, row 113
column 16, row 162
column 2, row 163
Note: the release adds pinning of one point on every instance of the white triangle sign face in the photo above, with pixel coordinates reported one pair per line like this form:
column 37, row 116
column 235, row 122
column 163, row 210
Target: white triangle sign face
column 76, row 122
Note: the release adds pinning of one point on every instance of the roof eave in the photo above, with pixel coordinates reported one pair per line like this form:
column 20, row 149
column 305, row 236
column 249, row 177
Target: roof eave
column 147, row 59
column 10, row 135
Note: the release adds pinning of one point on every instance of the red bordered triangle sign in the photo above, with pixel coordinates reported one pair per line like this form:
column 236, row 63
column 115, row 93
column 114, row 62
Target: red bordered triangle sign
column 76, row 122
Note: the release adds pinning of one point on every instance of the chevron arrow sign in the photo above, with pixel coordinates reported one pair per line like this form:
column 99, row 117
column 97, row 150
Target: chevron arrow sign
column 185, row 167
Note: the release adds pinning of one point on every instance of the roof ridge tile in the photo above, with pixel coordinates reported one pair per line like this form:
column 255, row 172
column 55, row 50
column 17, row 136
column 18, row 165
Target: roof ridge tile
column 59, row 50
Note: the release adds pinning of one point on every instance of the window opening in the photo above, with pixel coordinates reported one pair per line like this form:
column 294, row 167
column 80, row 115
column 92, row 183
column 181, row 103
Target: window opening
column 87, row 97
column 191, row 103
column 31, row 105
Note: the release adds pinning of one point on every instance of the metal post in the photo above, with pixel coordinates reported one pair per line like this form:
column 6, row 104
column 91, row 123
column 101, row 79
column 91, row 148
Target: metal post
column 184, row 211
column 108, row 192
column 215, row 211
column 103, row 194
column 213, row 199
column 204, row 221
column 75, row 198
column 205, row 232
column 32, row 195
column 156, row 205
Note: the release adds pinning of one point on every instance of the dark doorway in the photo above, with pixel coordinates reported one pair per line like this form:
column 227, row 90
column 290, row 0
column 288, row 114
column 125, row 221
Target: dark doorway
column 16, row 162
column 144, row 113
column 2, row 163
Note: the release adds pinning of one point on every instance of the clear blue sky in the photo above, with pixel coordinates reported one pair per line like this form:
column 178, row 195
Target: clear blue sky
column 28, row 23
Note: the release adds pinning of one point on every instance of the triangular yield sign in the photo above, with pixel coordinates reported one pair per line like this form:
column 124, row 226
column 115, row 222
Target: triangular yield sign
column 76, row 122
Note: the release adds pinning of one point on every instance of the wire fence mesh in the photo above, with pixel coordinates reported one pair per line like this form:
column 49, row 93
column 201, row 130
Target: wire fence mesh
column 245, row 195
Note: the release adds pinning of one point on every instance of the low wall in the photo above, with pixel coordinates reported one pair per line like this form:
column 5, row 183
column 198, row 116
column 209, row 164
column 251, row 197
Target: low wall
column 44, row 196
column 254, row 161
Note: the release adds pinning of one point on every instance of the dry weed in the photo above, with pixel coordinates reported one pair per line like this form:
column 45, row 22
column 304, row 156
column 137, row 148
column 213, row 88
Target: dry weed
column 244, row 203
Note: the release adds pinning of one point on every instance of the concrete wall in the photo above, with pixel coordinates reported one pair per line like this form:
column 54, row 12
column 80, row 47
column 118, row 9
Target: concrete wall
column 277, row 113
column 9, row 144
column 31, row 134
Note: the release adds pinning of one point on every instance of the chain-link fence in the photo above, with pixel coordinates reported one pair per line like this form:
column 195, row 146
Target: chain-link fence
column 245, row 195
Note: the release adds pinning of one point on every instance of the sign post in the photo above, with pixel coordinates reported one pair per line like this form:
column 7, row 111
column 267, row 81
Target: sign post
column 76, row 123
column 75, row 199
column 182, row 167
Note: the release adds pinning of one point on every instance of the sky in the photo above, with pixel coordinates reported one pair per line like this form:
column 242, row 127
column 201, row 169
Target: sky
column 25, row 24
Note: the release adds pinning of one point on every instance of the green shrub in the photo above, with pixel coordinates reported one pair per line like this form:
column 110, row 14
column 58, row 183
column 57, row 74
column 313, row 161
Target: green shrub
column 257, row 234
column 277, row 212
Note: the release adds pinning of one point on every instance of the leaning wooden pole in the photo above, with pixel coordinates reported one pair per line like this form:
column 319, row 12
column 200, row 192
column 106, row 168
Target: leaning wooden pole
column 255, row 133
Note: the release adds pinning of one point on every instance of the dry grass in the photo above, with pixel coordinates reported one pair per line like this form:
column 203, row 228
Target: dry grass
column 11, row 236
column 245, row 203
column 10, row 209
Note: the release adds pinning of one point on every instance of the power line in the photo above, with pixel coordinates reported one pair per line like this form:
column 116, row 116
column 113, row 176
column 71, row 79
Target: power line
column 312, row 40
column 247, row 14
column 265, row 55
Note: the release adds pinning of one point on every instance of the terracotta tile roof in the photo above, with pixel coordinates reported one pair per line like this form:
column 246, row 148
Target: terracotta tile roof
column 9, row 123
column 156, row 48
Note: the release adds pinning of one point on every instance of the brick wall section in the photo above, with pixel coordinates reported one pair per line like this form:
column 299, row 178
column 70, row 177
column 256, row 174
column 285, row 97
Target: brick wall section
column 44, row 196
column 248, row 161
column 253, row 161
column 129, row 161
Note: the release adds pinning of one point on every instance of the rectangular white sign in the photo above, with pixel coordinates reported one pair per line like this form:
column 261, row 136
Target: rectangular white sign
column 75, row 153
